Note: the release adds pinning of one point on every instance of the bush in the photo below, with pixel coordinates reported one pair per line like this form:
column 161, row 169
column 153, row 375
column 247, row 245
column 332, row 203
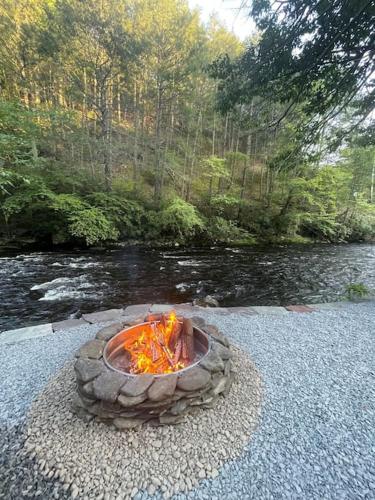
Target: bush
column 128, row 216
column 221, row 230
column 60, row 217
column 361, row 227
column 356, row 291
column 323, row 227
column 80, row 220
column 92, row 226
column 179, row 220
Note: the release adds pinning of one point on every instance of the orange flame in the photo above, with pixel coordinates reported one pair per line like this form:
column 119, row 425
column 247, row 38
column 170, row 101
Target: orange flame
column 156, row 349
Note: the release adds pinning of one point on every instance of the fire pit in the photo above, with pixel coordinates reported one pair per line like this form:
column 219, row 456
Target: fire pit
column 154, row 371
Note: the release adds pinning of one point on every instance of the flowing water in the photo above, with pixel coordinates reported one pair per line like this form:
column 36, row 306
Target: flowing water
column 49, row 286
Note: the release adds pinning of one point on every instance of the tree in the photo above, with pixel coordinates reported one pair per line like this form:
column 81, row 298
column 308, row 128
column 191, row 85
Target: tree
column 312, row 55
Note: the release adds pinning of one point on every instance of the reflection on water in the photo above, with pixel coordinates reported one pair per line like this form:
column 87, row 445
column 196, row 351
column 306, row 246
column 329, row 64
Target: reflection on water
column 46, row 286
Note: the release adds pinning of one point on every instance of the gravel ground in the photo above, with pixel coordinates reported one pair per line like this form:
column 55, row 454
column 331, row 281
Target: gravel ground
column 316, row 436
column 174, row 458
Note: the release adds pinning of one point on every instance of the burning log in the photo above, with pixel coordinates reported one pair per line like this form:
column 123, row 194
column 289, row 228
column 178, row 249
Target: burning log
column 188, row 339
column 164, row 346
column 154, row 351
column 177, row 352
column 175, row 335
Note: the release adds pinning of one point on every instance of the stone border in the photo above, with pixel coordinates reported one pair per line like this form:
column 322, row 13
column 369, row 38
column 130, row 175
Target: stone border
column 138, row 310
column 129, row 401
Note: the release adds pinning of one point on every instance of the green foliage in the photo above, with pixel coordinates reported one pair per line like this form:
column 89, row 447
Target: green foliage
column 92, row 226
column 109, row 127
column 217, row 167
column 41, row 213
column 356, row 291
column 8, row 180
column 324, row 227
column 179, row 220
column 29, row 194
column 128, row 216
column 221, row 230
column 18, row 132
column 303, row 58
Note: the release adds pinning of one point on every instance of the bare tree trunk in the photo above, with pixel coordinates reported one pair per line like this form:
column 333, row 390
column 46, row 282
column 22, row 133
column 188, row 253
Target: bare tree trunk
column 225, row 134
column 118, row 100
column 244, row 173
column 213, row 154
column 372, row 183
column 192, row 164
column 159, row 164
column 84, row 104
column 105, row 110
column 183, row 184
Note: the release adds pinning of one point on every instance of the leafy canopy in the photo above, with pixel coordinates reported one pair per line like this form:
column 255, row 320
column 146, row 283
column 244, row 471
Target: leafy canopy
column 314, row 53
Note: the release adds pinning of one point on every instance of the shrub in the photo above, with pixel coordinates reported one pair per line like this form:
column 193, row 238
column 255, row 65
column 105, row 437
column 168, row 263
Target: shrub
column 221, row 230
column 128, row 216
column 356, row 291
column 178, row 220
column 83, row 221
column 92, row 226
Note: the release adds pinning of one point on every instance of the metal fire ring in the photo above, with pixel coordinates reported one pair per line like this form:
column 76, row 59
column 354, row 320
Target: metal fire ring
column 113, row 340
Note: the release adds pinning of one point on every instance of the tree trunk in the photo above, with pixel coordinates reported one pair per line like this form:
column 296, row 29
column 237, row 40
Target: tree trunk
column 244, row 173
column 105, row 111
column 192, row 164
column 159, row 164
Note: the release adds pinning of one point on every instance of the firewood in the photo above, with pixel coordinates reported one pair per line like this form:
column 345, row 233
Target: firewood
column 188, row 333
column 153, row 317
column 175, row 335
column 163, row 321
column 184, row 353
column 177, row 352
column 154, row 352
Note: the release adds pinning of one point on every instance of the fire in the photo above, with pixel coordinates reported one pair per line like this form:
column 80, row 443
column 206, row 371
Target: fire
column 163, row 346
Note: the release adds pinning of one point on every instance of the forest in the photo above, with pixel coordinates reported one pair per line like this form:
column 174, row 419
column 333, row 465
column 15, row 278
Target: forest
column 131, row 120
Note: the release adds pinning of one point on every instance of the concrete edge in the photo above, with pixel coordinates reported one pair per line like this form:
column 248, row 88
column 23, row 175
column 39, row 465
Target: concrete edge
column 42, row 330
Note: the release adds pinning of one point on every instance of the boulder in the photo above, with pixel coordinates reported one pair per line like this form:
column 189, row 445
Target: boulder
column 219, row 385
column 137, row 385
column 212, row 362
column 207, row 301
column 107, row 386
column 171, row 419
column 103, row 316
column 216, row 334
column 110, row 331
column 228, row 368
column 222, row 351
column 129, row 401
column 179, row 407
column 162, row 388
column 92, row 349
column 127, row 423
column 88, row 369
column 87, row 390
column 193, row 379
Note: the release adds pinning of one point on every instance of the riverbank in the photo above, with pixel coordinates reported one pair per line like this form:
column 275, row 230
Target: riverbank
column 29, row 245
column 314, row 437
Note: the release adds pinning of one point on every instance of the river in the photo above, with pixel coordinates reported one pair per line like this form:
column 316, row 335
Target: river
column 50, row 286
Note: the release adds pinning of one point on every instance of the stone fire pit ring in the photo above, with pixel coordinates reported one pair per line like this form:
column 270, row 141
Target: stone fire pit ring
column 128, row 401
